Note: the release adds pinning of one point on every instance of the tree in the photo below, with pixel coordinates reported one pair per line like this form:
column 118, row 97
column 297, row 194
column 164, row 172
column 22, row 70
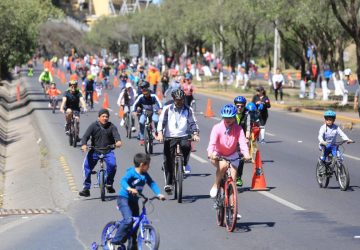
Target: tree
column 19, row 24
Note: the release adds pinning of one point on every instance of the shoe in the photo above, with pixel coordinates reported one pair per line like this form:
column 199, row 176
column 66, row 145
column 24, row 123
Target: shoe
column 133, row 129
column 262, row 142
column 239, row 182
column 213, row 192
column 142, row 142
column 238, row 216
column 85, row 192
column 187, row 169
column 110, row 190
column 67, row 132
column 167, row 189
column 49, row 105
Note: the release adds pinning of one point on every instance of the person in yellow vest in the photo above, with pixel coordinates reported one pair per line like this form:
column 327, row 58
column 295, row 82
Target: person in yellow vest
column 153, row 77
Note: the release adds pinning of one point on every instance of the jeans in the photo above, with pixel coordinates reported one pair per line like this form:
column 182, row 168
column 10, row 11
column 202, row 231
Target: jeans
column 128, row 209
column 142, row 119
column 327, row 150
column 90, row 162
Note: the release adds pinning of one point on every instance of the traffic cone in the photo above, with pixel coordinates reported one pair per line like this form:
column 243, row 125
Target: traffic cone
column 106, row 101
column 63, row 78
column 95, row 97
column 258, row 181
column 18, row 97
column 209, row 112
column 116, row 82
column 159, row 94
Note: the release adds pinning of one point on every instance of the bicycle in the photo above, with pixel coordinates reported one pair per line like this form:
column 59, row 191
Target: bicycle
column 148, row 136
column 74, row 129
column 102, row 173
column 127, row 121
column 147, row 237
column 226, row 201
column 54, row 103
column 333, row 165
column 178, row 169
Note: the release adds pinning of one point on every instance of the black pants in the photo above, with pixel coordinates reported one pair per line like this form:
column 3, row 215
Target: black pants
column 276, row 94
column 169, row 155
column 188, row 100
column 90, row 93
column 240, row 169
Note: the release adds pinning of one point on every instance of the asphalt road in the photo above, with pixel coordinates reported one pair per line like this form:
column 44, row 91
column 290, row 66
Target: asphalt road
column 294, row 214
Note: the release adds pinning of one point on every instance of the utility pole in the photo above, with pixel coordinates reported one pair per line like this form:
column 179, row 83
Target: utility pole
column 276, row 48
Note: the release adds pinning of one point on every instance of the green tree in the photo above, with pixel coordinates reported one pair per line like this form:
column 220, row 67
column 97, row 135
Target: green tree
column 19, row 23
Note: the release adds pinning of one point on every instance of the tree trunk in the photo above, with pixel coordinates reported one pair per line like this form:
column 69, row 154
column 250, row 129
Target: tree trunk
column 358, row 60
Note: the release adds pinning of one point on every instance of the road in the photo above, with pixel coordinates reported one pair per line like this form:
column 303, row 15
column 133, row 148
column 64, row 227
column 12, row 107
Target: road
column 294, row 214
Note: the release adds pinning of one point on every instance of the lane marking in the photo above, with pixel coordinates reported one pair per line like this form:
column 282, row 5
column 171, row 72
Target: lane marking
column 198, row 158
column 281, row 201
column 357, row 237
column 269, row 134
column 216, row 118
column 352, row 157
column 68, row 174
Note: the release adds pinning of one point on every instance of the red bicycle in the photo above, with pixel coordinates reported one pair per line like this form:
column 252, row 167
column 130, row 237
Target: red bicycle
column 226, row 201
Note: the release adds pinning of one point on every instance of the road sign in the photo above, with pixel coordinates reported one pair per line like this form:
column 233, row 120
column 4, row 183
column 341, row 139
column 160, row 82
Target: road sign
column 134, row 50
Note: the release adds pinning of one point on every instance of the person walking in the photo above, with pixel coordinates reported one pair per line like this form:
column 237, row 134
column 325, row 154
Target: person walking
column 278, row 82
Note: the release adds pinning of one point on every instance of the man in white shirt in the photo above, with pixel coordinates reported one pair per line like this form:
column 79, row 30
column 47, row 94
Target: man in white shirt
column 278, row 81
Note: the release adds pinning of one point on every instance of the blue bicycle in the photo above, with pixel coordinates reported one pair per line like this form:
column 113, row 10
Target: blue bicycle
column 147, row 236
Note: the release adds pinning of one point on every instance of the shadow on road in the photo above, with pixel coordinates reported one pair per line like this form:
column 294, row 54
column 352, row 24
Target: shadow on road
column 267, row 142
column 193, row 198
column 249, row 226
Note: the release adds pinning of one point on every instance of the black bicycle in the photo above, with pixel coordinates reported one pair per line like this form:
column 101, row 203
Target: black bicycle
column 74, row 129
column 334, row 165
column 148, row 132
column 102, row 173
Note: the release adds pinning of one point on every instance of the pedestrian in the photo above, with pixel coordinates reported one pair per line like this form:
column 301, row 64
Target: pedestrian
column 278, row 82
column 357, row 100
column 263, row 104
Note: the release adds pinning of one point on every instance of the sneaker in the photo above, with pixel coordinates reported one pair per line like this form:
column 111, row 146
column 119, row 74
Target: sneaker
column 167, row 189
column 239, row 182
column 238, row 216
column 142, row 142
column 49, row 105
column 187, row 169
column 213, row 192
column 262, row 142
column 133, row 129
column 110, row 190
column 85, row 192
column 67, row 132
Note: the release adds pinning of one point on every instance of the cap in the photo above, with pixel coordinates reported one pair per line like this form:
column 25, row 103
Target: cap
column 128, row 85
column 103, row 111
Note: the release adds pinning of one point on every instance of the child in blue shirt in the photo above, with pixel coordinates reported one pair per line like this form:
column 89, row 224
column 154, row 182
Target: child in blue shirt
column 131, row 184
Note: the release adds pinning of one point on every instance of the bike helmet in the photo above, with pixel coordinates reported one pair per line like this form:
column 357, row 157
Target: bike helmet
column 144, row 85
column 228, row 111
column 90, row 77
column 239, row 99
column 178, row 94
column 330, row 113
column 251, row 106
column 73, row 82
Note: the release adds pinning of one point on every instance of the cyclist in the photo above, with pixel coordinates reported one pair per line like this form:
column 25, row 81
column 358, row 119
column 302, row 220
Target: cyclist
column 327, row 135
column 45, row 78
column 89, row 89
column 244, row 122
column 103, row 133
column 225, row 139
column 131, row 184
column 146, row 102
column 53, row 92
column 262, row 102
column 176, row 121
column 126, row 99
column 71, row 104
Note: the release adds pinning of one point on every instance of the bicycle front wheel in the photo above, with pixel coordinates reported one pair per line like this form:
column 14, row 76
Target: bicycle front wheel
column 76, row 134
column 148, row 238
column 321, row 175
column 230, row 205
column 146, row 140
column 102, row 184
column 179, row 177
column 343, row 177
column 108, row 234
column 71, row 135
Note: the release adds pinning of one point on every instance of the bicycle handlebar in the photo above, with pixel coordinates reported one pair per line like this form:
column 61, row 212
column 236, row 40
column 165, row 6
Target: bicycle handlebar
column 112, row 146
column 221, row 158
column 342, row 142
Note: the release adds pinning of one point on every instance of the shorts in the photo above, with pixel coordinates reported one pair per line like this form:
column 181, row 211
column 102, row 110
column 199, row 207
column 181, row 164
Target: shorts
column 235, row 155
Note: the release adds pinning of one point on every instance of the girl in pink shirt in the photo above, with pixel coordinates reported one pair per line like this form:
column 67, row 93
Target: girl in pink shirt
column 224, row 140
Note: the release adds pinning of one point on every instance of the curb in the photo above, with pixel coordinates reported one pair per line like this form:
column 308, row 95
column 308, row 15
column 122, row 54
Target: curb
column 224, row 96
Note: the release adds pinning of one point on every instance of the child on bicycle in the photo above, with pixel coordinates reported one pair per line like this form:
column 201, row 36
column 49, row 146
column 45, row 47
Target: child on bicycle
column 53, row 92
column 327, row 135
column 131, row 184
column 225, row 139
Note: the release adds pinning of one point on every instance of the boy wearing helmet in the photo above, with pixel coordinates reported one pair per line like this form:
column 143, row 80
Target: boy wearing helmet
column 71, row 104
column 327, row 135
column 224, row 140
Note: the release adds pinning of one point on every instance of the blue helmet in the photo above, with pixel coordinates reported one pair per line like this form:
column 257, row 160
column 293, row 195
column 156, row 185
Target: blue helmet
column 240, row 99
column 330, row 113
column 251, row 106
column 228, row 111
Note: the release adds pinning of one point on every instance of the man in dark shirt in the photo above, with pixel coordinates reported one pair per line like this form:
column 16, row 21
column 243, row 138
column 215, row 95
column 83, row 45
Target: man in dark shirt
column 103, row 134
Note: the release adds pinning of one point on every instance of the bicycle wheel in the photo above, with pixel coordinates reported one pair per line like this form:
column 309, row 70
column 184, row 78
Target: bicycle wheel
column 175, row 169
column 54, row 104
column 343, row 176
column 76, row 133
column 71, row 135
column 179, row 177
column 102, row 184
column 108, row 233
column 148, row 238
column 230, row 205
column 321, row 176
column 146, row 140
column 220, row 207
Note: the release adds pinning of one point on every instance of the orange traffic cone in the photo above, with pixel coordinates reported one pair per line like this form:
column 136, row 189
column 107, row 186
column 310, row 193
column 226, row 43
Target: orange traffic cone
column 95, row 97
column 18, row 97
column 159, row 94
column 116, row 82
column 121, row 112
column 63, row 78
column 209, row 112
column 106, row 101
column 258, row 181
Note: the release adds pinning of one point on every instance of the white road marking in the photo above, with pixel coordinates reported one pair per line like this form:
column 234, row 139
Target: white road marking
column 352, row 157
column 198, row 158
column 300, row 141
column 357, row 237
column 269, row 134
column 281, row 200
column 216, row 118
